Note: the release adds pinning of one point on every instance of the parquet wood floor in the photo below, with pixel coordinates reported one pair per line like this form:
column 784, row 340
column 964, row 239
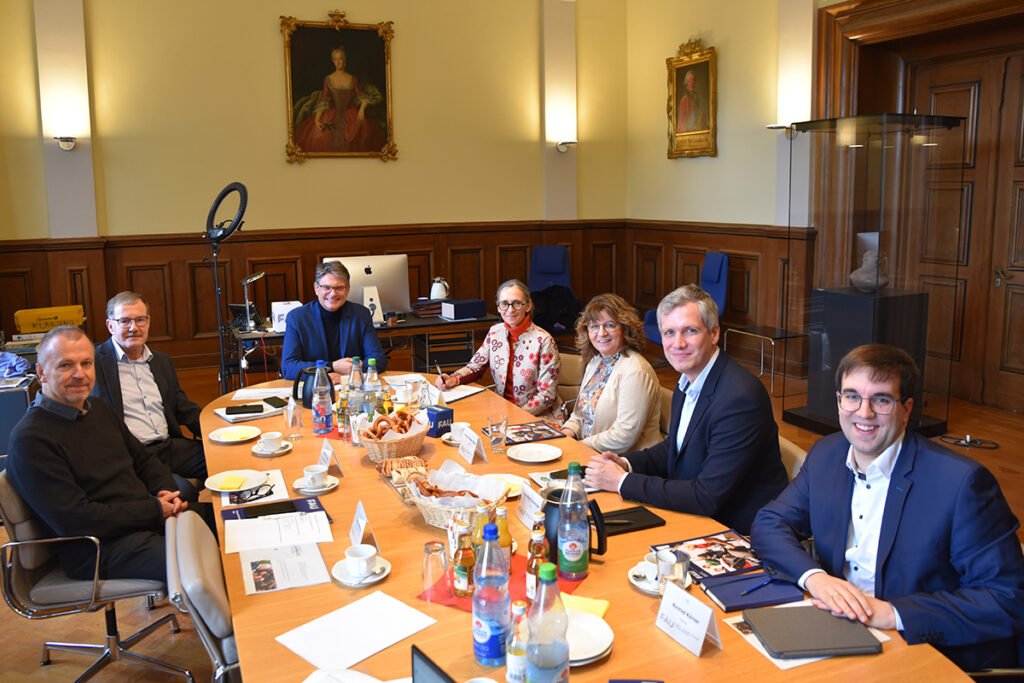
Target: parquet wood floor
column 22, row 638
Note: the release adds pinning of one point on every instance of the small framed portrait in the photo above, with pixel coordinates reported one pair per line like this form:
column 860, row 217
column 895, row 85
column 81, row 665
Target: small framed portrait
column 338, row 88
column 692, row 102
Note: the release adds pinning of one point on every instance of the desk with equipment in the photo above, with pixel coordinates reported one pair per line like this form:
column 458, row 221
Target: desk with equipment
column 640, row 649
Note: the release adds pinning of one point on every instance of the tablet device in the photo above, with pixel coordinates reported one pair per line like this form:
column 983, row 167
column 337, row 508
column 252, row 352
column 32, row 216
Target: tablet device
column 806, row 631
column 425, row 670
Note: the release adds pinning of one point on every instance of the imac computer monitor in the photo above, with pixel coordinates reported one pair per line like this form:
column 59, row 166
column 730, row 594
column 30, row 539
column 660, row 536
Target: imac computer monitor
column 388, row 273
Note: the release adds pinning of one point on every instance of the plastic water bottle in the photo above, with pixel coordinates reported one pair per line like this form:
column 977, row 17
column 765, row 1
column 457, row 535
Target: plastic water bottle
column 371, row 387
column 322, row 409
column 573, row 528
column 515, row 646
column 355, row 377
column 547, row 645
column 491, row 602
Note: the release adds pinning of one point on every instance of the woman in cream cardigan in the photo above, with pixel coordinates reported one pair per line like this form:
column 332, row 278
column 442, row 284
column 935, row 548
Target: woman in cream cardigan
column 619, row 401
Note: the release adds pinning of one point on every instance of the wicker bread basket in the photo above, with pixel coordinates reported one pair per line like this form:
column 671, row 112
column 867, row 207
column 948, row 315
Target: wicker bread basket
column 438, row 515
column 394, row 448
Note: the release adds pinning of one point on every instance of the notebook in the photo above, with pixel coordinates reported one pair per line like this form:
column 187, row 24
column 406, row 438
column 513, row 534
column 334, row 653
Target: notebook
column 806, row 631
column 726, row 591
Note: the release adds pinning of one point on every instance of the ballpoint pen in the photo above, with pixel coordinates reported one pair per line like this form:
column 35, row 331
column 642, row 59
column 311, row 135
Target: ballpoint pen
column 760, row 585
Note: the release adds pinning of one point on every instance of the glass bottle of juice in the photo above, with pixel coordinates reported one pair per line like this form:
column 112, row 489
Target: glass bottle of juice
column 515, row 646
column 480, row 518
column 464, row 562
column 538, row 523
column 537, row 556
column 504, row 536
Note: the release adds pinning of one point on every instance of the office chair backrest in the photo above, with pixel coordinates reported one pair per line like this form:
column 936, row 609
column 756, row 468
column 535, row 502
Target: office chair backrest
column 651, row 326
column 549, row 265
column 201, row 574
column 792, row 456
column 22, row 525
column 714, row 276
column 570, row 377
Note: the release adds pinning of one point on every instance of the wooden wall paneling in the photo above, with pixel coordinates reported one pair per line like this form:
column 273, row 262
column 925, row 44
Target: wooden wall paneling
column 600, row 273
column 686, row 267
column 16, row 293
column 1012, row 357
column 744, row 288
column 280, row 282
column 511, row 260
column 76, row 276
column 648, row 274
column 467, row 278
column 421, row 269
column 202, row 297
column 152, row 281
column 944, row 341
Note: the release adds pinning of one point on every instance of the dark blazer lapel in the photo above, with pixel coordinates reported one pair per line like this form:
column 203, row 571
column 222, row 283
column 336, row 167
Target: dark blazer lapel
column 156, row 366
column 319, row 345
column 895, row 499
column 108, row 366
column 673, row 424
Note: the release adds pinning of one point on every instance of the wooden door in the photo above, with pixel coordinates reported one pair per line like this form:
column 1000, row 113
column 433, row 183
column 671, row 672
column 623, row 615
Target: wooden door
column 1004, row 353
column 956, row 230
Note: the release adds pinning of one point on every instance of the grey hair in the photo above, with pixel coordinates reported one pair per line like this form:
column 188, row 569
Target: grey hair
column 122, row 298
column 690, row 294
column 335, row 268
column 45, row 347
column 518, row 284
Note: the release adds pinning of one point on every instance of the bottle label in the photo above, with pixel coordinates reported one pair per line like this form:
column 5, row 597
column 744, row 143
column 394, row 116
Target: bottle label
column 488, row 639
column 462, row 578
column 531, row 587
column 572, row 556
column 515, row 667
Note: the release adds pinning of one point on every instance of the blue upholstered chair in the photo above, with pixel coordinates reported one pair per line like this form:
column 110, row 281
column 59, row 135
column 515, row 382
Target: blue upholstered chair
column 714, row 276
column 549, row 265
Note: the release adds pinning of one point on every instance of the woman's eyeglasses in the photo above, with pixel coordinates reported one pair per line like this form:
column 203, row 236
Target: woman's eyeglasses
column 597, row 327
column 516, row 305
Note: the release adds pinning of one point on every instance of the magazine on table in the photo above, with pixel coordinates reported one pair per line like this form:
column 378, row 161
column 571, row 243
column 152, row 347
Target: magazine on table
column 529, row 432
column 727, row 552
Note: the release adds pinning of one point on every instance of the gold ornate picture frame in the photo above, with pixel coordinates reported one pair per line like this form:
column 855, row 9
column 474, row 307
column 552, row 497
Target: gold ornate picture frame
column 692, row 102
column 338, row 88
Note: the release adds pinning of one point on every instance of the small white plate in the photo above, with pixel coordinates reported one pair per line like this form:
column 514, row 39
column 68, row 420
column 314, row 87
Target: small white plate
column 589, row 637
column 450, row 440
column 252, row 480
column 234, row 434
column 590, row 660
column 534, row 452
column 258, row 451
column 340, row 572
column 299, row 485
column 512, row 482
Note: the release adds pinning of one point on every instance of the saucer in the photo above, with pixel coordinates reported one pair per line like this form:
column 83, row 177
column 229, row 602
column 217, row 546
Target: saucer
column 234, row 434
column 299, row 485
column 260, row 453
column 449, row 440
column 647, row 586
column 340, row 572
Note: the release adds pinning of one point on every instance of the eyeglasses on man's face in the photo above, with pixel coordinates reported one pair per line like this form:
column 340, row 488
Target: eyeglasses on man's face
column 140, row 321
column 340, row 289
column 881, row 404
column 515, row 305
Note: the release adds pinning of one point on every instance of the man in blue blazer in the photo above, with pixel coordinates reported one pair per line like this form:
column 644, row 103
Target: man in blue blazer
column 331, row 328
column 909, row 535
column 142, row 387
column 721, row 456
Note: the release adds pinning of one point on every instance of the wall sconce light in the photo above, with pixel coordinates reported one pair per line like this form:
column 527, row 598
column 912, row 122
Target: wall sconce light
column 66, row 143
column 563, row 145
column 788, row 128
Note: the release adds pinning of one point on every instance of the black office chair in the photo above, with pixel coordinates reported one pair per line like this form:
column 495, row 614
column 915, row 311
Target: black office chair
column 36, row 587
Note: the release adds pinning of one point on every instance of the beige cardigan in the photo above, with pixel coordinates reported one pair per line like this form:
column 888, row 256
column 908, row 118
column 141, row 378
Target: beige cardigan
column 628, row 410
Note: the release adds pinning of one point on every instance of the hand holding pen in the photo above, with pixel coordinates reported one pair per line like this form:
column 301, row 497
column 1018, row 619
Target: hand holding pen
column 442, row 379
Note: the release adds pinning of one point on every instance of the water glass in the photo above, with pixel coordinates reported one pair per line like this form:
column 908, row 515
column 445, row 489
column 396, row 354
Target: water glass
column 672, row 567
column 412, row 392
column 293, row 420
column 496, row 426
column 437, row 584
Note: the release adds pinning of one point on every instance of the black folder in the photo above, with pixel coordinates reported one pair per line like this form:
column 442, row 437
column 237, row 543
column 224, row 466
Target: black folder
column 806, row 631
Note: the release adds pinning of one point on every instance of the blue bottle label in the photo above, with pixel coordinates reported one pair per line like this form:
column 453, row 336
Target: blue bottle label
column 488, row 639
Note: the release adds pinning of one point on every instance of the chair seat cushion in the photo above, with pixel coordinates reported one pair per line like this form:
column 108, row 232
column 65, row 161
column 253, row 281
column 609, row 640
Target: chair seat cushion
column 229, row 649
column 57, row 590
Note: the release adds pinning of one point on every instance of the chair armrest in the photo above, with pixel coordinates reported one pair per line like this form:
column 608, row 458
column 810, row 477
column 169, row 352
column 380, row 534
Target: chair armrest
column 6, row 567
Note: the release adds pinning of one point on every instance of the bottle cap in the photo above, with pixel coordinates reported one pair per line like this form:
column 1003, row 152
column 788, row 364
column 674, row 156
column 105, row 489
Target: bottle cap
column 501, row 511
column 490, row 531
column 481, row 507
column 372, row 361
column 320, row 364
column 574, row 468
column 547, row 572
column 519, row 607
column 538, row 516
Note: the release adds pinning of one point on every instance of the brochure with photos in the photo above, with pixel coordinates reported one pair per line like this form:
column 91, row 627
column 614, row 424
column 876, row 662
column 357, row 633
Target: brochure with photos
column 529, row 432
column 728, row 552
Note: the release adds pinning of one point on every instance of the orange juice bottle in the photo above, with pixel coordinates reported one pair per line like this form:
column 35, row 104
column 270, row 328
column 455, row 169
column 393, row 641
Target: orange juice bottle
column 481, row 518
column 538, row 555
column 504, row 537
column 464, row 562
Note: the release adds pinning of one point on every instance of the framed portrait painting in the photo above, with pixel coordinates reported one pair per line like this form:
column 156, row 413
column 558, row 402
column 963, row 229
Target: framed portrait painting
column 692, row 102
column 338, row 88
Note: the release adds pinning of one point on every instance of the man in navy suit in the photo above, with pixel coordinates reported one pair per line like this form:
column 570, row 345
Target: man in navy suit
column 142, row 387
column 331, row 328
column 721, row 456
column 909, row 535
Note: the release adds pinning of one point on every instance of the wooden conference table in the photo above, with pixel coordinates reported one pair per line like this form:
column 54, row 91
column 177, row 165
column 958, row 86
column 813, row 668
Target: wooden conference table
column 641, row 650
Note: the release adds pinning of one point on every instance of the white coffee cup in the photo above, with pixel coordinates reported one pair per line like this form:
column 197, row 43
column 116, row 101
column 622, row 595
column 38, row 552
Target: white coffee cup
column 316, row 476
column 457, row 429
column 270, row 442
column 360, row 560
column 650, row 567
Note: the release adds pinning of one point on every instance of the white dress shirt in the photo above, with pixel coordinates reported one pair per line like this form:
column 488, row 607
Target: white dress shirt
column 140, row 395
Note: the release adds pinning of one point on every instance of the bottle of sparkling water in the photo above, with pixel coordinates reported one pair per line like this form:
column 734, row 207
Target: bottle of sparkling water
column 371, row 387
column 322, row 408
column 547, row 645
column 515, row 646
column 491, row 603
column 355, row 377
column 573, row 528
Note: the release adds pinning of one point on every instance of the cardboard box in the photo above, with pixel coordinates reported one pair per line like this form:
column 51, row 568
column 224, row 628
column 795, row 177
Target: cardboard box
column 440, row 420
column 463, row 309
column 279, row 311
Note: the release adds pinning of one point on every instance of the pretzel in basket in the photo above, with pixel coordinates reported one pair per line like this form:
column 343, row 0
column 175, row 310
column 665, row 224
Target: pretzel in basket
column 389, row 465
column 400, row 423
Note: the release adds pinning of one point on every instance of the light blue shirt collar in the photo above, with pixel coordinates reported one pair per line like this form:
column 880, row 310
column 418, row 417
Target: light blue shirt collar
column 122, row 357
column 693, row 390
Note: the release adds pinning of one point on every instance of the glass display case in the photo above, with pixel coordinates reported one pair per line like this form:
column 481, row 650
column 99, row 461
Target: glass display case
column 885, row 195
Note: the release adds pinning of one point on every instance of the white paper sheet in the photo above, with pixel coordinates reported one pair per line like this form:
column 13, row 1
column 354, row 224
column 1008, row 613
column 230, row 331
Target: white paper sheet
column 276, row 531
column 275, row 569
column 260, row 394
column 348, row 676
column 280, row 492
column 348, row 635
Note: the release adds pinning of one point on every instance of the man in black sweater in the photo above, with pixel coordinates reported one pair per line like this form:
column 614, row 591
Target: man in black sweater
column 84, row 474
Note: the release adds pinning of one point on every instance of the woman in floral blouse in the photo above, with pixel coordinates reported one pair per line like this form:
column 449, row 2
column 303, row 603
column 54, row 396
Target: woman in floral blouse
column 523, row 358
column 618, row 406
